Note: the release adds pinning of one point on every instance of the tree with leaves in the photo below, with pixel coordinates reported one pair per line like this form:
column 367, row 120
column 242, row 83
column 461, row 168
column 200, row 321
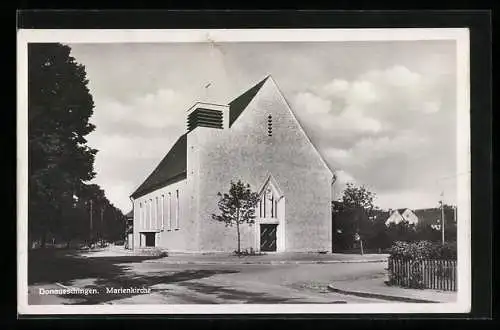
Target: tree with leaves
column 237, row 207
column 358, row 197
column 358, row 203
column 60, row 162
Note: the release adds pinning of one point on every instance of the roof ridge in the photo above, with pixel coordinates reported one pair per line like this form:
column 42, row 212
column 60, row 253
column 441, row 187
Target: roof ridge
column 237, row 105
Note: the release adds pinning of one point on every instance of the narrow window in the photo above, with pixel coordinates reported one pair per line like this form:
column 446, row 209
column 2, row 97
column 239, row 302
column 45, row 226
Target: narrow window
column 150, row 213
column 144, row 214
column 264, row 202
column 177, row 209
column 153, row 208
column 146, row 222
column 140, row 215
column 162, row 212
column 157, row 218
column 275, row 208
column 169, row 211
column 272, row 206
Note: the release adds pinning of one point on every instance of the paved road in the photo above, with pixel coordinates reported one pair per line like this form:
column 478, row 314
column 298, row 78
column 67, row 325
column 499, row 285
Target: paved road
column 208, row 284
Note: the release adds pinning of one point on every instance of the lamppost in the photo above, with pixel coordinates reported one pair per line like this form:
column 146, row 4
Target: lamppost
column 442, row 221
column 102, row 225
column 91, row 229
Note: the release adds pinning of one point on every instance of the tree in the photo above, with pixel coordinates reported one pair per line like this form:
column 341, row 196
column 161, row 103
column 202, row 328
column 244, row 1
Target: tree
column 358, row 203
column 358, row 197
column 237, row 207
column 60, row 162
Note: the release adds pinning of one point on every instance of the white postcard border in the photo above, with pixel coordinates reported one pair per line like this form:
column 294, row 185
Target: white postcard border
column 461, row 35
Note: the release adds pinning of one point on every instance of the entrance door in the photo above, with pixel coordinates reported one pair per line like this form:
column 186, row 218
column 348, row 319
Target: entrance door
column 150, row 239
column 268, row 237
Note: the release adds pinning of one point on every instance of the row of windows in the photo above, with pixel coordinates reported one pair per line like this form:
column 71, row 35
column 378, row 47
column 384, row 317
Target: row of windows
column 160, row 212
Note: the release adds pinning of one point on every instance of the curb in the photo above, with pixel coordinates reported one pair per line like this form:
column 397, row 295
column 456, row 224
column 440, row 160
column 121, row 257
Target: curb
column 379, row 296
column 283, row 262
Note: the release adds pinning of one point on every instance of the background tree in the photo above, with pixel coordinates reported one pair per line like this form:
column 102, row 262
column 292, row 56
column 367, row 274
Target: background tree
column 450, row 228
column 357, row 213
column 108, row 222
column 60, row 162
column 358, row 197
column 237, row 207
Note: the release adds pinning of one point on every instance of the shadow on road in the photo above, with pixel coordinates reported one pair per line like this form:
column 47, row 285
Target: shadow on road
column 246, row 297
column 51, row 266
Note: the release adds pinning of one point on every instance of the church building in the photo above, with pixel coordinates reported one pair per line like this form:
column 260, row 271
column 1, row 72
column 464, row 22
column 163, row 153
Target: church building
column 255, row 138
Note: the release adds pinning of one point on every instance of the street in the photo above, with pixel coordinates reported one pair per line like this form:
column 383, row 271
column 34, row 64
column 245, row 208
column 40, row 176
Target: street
column 192, row 283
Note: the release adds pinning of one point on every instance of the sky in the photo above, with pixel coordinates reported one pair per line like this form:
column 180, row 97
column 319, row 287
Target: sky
column 382, row 114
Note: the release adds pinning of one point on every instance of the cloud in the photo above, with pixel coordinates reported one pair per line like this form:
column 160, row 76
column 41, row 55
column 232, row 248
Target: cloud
column 159, row 109
column 313, row 104
column 375, row 102
column 378, row 127
column 343, row 178
column 397, row 75
column 386, row 120
column 336, row 87
column 412, row 199
column 132, row 137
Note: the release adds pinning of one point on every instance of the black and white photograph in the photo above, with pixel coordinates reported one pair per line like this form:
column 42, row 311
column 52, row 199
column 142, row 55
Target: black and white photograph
column 243, row 171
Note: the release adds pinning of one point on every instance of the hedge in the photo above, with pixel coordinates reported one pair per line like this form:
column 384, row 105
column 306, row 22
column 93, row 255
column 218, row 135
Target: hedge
column 423, row 250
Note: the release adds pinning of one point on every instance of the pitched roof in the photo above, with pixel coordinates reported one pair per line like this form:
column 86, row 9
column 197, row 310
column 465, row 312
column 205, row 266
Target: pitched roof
column 173, row 166
column 171, row 169
column 239, row 104
column 428, row 216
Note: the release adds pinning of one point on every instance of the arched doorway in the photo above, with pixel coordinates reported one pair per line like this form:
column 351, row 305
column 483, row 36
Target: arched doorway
column 270, row 218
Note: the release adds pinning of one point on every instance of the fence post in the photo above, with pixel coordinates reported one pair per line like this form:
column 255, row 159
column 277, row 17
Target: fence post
column 437, row 274
column 388, row 272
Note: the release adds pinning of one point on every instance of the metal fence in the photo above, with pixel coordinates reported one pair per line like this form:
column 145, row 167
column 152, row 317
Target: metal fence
column 423, row 273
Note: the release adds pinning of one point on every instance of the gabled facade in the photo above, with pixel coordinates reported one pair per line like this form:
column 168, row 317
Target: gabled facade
column 394, row 217
column 255, row 138
column 397, row 216
column 411, row 217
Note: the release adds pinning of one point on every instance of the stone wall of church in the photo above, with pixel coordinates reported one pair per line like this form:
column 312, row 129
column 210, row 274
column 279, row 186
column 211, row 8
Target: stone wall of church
column 247, row 152
column 166, row 212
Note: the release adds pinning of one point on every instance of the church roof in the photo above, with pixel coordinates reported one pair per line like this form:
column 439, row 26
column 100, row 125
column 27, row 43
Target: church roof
column 171, row 169
column 239, row 104
column 173, row 166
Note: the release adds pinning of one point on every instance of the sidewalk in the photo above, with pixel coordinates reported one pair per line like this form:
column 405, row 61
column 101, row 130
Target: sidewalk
column 226, row 258
column 376, row 288
column 270, row 259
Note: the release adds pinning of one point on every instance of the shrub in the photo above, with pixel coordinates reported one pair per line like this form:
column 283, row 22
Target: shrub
column 247, row 252
column 423, row 250
column 155, row 252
